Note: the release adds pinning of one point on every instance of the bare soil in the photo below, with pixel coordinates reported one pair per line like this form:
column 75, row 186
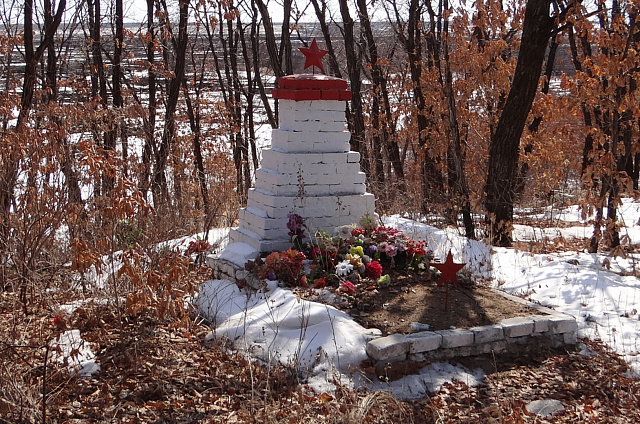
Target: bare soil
column 417, row 299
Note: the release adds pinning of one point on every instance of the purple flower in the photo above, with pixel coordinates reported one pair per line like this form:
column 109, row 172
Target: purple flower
column 295, row 224
column 271, row 275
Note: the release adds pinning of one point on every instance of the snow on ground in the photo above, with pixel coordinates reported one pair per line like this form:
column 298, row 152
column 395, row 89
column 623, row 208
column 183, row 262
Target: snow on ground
column 113, row 262
column 324, row 343
column 74, row 352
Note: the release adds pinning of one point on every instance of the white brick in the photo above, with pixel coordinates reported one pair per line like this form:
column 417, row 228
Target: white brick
column 487, row 333
column 354, row 157
column 300, row 125
column 293, row 110
column 358, row 178
column 424, row 342
column 456, row 338
column 338, row 145
column 307, row 141
column 517, row 327
column 331, row 116
column 330, row 105
column 389, row 347
column 286, row 114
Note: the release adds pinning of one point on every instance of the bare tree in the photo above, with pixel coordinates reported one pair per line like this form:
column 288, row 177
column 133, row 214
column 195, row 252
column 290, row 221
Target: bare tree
column 505, row 143
column 160, row 187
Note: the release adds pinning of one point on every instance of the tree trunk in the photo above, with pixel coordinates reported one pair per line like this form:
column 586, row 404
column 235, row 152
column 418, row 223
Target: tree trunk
column 321, row 14
column 9, row 175
column 381, row 108
column 118, row 101
column 535, row 124
column 250, row 92
column 356, row 121
column 255, row 46
column 505, row 143
column 150, row 121
column 270, row 39
column 168, row 135
column 432, row 181
column 74, row 194
column 285, row 38
column 456, row 155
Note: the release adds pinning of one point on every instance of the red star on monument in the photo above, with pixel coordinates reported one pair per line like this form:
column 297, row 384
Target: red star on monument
column 448, row 270
column 313, row 56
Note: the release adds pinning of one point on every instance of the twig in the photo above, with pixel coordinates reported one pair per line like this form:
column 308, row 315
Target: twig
column 44, row 386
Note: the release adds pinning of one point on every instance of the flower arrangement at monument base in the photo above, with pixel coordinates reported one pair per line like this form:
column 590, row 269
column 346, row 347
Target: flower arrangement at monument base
column 355, row 257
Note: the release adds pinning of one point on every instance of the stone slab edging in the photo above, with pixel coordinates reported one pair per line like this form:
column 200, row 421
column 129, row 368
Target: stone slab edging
column 546, row 328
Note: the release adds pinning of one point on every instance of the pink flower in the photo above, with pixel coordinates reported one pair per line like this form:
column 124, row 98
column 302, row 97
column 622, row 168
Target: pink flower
column 391, row 250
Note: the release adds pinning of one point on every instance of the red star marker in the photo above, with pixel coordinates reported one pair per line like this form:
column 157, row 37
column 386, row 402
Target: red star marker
column 313, row 56
column 448, row 270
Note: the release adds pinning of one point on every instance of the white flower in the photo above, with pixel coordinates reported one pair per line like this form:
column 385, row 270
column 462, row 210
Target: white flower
column 343, row 268
column 344, row 232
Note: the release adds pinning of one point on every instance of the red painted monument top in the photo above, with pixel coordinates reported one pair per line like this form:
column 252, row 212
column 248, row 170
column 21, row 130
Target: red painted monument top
column 301, row 87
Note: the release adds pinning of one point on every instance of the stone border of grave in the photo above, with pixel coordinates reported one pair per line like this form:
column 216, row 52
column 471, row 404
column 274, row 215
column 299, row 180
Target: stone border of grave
column 547, row 328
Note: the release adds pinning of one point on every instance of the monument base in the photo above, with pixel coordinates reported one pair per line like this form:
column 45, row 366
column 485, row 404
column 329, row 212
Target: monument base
column 263, row 223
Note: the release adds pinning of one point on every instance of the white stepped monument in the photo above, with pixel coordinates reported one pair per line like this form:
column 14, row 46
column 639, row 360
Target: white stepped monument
column 309, row 169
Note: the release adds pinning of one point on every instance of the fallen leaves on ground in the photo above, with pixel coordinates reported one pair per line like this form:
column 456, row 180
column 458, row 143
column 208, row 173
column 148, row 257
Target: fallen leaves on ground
column 156, row 371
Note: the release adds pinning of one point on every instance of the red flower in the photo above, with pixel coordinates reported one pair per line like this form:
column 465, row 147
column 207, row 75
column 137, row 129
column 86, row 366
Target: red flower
column 348, row 288
column 416, row 248
column 357, row 232
column 373, row 270
column 320, row 283
column 315, row 253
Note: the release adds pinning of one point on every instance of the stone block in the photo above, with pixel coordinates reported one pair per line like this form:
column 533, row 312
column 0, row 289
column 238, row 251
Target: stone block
column 540, row 323
column 517, row 327
column 492, row 347
column 487, row 333
column 424, row 341
column 561, row 323
column 385, row 348
column 571, row 337
column 456, row 338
